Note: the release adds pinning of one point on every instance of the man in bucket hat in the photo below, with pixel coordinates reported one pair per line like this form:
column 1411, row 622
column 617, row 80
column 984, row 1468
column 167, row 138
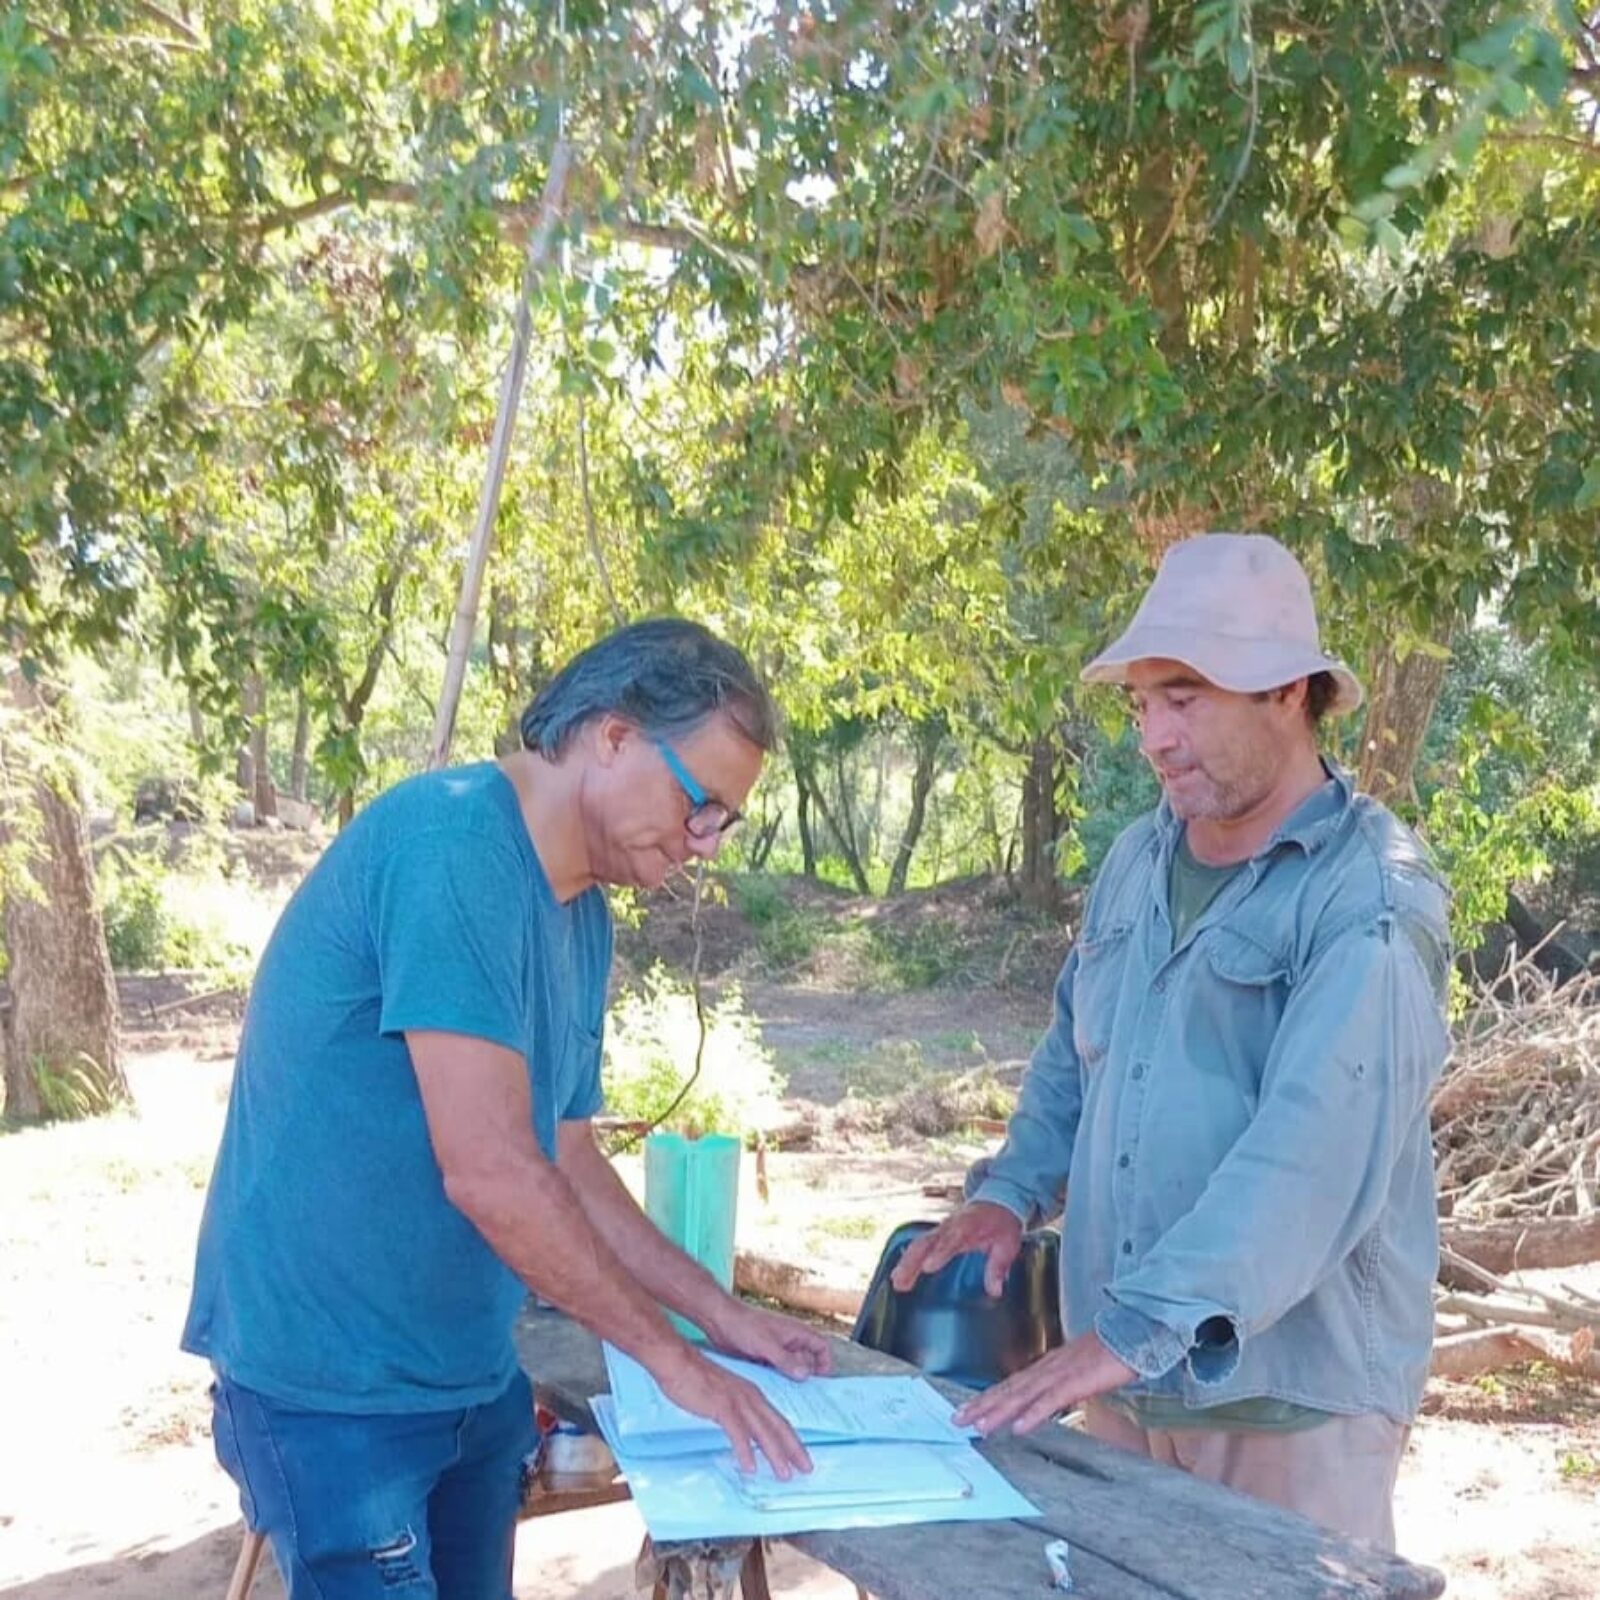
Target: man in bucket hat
column 1232, row 1101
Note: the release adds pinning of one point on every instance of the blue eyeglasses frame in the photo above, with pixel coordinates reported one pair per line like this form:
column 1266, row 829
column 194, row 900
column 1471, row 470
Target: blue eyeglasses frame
column 708, row 818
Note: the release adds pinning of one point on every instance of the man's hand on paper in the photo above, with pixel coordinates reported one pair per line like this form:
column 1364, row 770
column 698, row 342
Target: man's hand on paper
column 739, row 1409
column 979, row 1225
column 775, row 1340
column 1056, row 1382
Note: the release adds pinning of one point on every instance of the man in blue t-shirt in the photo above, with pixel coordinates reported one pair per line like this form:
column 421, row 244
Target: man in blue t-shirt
column 408, row 1145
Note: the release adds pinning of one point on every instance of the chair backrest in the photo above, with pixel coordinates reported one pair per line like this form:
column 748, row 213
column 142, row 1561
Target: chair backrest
column 950, row 1327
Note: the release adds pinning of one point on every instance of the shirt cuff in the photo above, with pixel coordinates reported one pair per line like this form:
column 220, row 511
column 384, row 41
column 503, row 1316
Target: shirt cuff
column 1152, row 1349
column 1002, row 1192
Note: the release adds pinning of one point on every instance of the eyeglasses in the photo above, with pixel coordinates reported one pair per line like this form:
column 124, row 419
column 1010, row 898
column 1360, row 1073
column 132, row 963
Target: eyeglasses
column 708, row 818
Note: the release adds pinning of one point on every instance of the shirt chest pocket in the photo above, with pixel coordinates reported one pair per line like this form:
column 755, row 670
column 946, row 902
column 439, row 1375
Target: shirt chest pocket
column 1096, row 987
column 1240, row 993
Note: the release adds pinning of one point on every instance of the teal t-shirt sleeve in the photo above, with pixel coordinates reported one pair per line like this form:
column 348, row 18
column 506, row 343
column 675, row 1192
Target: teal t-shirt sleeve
column 452, row 931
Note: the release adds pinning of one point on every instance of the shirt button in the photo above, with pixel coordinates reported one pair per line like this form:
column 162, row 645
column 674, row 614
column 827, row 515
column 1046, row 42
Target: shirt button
column 1138, row 1070
column 1124, row 1159
column 1127, row 1247
column 1161, row 985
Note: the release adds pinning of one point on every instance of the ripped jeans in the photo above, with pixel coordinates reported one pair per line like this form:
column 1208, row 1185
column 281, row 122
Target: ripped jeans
column 418, row 1506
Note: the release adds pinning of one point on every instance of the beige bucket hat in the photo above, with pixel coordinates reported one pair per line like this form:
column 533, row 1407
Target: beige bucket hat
column 1237, row 608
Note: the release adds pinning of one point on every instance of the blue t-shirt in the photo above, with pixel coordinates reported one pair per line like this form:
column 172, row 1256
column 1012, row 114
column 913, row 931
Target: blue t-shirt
column 332, row 1271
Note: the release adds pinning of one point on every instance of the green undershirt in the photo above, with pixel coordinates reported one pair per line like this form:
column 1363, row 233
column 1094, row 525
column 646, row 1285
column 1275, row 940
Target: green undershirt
column 1191, row 888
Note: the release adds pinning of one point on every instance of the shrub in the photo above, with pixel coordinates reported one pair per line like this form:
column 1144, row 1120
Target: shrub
column 650, row 1053
column 71, row 1091
column 915, row 957
column 195, row 917
column 136, row 922
column 785, row 935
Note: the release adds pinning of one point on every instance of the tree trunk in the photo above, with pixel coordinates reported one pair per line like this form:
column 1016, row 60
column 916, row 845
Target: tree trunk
column 197, row 721
column 802, row 816
column 874, row 823
column 244, row 768
column 60, row 1033
column 264, row 792
column 505, row 670
column 1520, row 1245
column 762, row 837
column 1401, row 696
column 929, row 739
column 1039, row 886
column 999, row 863
column 299, row 766
column 842, row 828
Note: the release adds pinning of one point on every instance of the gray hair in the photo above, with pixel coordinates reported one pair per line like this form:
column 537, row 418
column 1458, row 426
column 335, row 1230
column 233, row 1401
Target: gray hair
column 666, row 675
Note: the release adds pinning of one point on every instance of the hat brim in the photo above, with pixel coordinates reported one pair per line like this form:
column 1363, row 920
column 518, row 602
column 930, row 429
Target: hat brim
column 1245, row 666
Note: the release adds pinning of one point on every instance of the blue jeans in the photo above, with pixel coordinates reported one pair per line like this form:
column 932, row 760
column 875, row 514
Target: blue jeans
column 419, row 1506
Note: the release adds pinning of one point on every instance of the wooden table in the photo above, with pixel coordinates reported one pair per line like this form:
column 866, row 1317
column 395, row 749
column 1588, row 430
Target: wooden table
column 1138, row 1530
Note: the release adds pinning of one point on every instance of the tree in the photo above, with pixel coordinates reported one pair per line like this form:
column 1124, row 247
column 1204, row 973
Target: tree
column 928, row 738
column 60, row 1033
column 1320, row 268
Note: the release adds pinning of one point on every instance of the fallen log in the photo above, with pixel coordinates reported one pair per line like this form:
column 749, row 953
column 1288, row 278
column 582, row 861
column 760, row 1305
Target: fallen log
column 1504, row 1311
column 1539, row 1242
column 1467, row 1355
column 800, row 1288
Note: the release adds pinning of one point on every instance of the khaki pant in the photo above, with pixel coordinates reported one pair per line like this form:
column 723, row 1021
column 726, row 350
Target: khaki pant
column 1340, row 1474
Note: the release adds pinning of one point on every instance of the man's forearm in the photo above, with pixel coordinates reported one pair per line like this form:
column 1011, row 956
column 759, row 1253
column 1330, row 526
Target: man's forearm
column 664, row 1271
column 534, row 1221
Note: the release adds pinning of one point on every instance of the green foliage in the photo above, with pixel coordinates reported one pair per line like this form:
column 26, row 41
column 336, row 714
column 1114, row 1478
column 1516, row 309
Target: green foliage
column 71, row 1091
column 139, row 934
column 786, row 935
column 1116, row 788
column 894, row 340
column 196, row 915
column 651, row 1043
column 860, row 1227
column 917, row 956
column 1486, row 849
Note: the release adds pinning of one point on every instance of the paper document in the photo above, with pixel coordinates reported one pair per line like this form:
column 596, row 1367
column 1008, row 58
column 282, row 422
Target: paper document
column 862, row 1474
column 820, row 1410
column 884, row 1451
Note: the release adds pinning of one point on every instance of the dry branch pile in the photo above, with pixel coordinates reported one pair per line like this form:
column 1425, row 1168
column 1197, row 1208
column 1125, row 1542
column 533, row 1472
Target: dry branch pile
column 1516, row 1122
column 1516, row 1117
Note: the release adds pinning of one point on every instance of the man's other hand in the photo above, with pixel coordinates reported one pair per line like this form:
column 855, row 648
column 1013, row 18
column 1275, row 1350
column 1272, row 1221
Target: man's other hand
column 977, row 1226
column 1054, row 1383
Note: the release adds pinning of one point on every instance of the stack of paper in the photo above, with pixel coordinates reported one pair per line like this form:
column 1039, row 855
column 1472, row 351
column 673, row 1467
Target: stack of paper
column 884, row 1451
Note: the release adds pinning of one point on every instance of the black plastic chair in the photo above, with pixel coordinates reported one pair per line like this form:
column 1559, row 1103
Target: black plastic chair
column 950, row 1327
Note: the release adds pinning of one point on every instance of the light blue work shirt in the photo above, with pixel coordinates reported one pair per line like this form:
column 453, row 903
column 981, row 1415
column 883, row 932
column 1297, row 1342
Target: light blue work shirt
column 1239, row 1124
column 333, row 1272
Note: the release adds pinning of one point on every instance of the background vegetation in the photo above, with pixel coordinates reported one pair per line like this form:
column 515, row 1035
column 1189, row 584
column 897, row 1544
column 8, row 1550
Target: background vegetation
column 894, row 338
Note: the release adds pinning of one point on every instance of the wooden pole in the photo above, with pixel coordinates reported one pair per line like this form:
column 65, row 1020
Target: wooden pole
column 466, row 616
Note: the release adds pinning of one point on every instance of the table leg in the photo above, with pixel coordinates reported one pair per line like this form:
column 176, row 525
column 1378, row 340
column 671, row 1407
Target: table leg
column 700, row 1570
column 753, row 1574
column 244, row 1569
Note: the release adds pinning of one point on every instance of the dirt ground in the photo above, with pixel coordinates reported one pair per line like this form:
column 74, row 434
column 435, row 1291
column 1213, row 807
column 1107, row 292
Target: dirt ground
column 107, row 1482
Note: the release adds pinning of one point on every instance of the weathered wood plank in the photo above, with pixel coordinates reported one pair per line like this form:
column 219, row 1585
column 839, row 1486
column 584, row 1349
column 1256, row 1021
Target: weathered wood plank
column 1138, row 1530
